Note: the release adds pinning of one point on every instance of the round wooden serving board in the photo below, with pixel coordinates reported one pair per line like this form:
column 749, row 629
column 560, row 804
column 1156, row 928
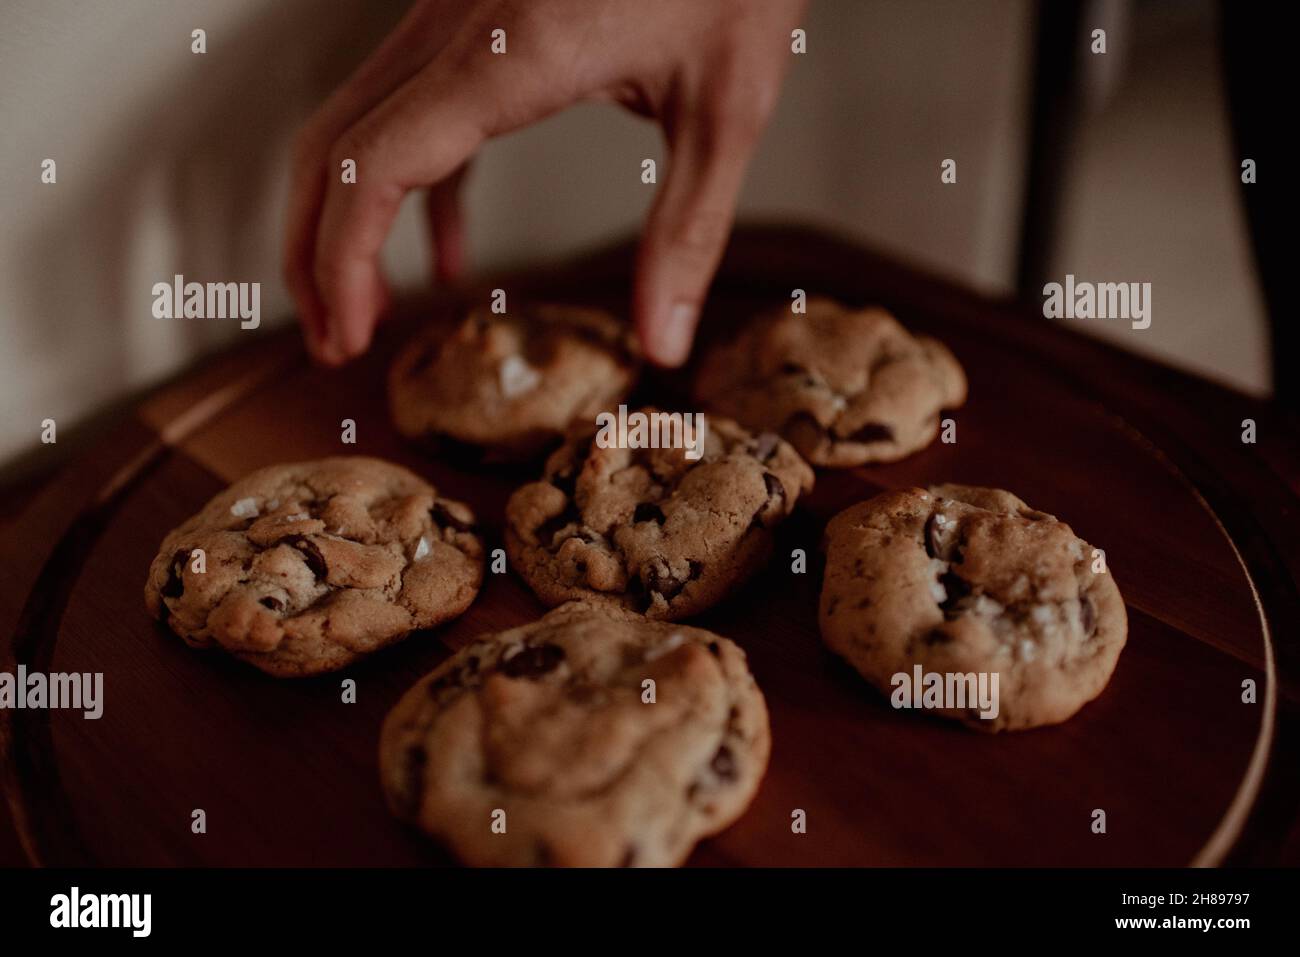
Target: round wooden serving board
column 286, row 772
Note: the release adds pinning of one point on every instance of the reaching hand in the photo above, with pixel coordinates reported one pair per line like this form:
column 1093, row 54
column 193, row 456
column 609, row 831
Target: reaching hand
column 417, row 110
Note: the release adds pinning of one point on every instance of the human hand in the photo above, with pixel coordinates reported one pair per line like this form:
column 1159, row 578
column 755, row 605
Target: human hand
column 417, row 110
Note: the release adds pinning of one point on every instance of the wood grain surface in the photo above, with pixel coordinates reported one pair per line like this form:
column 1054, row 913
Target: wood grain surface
column 1200, row 532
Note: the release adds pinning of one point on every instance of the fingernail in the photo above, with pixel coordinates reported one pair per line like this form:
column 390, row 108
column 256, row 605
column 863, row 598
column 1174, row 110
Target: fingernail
column 671, row 338
column 337, row 351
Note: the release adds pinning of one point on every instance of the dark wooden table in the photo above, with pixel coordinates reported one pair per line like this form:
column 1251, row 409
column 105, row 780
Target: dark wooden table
column 1200, row 532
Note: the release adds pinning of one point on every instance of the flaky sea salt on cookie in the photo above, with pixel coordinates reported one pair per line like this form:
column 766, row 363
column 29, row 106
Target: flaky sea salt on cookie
column 844, row 387
column 304, row 568
column 967, row 602
column 507, row 386
column 666, row 531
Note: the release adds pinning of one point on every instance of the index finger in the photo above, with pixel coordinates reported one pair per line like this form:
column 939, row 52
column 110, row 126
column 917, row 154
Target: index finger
column 421, row 134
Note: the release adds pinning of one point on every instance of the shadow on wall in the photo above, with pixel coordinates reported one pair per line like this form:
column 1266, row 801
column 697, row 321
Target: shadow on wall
column 196, row 184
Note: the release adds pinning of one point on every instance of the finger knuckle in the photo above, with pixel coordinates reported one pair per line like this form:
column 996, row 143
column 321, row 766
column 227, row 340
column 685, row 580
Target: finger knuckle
column 739, row 104
column 352, row 145
column 744, row 119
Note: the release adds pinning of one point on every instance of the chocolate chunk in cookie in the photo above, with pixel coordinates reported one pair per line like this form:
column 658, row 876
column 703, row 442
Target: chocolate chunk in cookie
column 968, row 581
column 308, row 567
column 551, row 735
column 844, row 387
column 506, row 386
column 650, row 528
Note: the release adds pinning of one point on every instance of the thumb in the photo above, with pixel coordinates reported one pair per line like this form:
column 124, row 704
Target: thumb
column 686, row 232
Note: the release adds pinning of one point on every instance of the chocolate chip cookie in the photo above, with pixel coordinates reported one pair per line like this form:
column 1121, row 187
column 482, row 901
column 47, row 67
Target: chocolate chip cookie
column 590, row 738
column 844, row 387
column 504, row 387
column 963, row 580
column 651, row 528
column 307, row 567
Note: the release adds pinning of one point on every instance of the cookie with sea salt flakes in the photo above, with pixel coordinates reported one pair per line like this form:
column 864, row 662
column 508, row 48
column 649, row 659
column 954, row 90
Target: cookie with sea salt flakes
column 963, row 580
column 307, row 567
column 843, row 386
column 657, row 530
column 505, row 387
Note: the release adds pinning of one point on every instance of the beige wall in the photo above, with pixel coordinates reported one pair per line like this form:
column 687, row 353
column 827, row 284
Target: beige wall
column 1154, row 197
column 171, row 162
